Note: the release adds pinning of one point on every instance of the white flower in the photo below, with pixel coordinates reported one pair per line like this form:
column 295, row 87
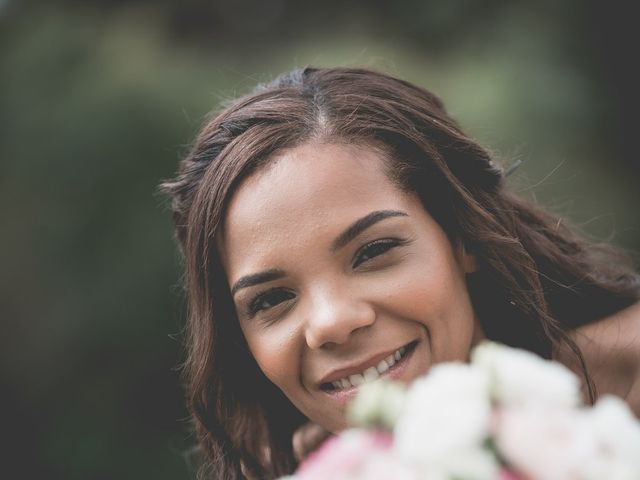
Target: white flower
column 519, row 377
column 581, row 444
column 616, row 427
column 387, row 466
column 446, row 416
column 476, row 463
column 545, row 444
column 460, row 418
column 377, row 404
column 617, row 435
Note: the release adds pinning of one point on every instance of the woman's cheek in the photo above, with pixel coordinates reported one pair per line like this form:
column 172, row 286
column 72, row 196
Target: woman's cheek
column 273, row 349
column 415, row 289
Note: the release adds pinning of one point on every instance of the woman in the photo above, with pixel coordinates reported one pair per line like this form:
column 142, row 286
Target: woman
column 337, row 226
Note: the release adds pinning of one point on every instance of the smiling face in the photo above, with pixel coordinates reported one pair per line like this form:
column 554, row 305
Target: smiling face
column 339, row 276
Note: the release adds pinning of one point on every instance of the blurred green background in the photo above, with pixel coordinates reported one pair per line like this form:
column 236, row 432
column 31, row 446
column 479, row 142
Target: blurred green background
column 98, row 101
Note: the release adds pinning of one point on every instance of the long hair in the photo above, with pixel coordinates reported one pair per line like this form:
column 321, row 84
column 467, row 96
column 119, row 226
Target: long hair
column 536, row 280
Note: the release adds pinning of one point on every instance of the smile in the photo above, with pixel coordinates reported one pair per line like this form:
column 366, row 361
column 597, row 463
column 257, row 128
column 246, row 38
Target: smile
column 371, row 373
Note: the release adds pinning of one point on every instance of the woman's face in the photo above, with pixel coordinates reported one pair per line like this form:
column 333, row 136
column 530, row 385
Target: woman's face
column 340, row 277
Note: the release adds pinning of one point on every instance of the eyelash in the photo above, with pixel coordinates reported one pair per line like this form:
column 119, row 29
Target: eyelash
column 255, row 304
column 375, row 249
column 278, row 295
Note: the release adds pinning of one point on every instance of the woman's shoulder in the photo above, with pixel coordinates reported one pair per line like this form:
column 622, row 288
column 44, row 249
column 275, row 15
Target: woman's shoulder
column 611, row 350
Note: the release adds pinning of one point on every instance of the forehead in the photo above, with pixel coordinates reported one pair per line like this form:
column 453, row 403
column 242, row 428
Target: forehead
column 305, row 194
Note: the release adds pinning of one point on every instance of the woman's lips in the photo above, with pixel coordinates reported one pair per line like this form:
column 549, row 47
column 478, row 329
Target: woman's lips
column 395, row 371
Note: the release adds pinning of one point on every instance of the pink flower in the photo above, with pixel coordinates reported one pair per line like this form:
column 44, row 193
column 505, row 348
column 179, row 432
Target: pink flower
column 505, row 474
column 546, row 444
column 345, row 456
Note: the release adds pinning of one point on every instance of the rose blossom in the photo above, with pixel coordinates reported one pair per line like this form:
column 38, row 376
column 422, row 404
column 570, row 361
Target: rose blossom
column 519, row 377
column 344, row 456
column 545, row 444
column 617, row 435
column 378, row 404
column 445, row 421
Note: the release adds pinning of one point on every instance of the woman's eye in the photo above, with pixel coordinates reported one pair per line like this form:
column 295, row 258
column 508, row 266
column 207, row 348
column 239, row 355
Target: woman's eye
column 373, row 250
column 269, row 299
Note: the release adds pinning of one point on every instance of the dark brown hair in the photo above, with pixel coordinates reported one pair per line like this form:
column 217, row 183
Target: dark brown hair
column 536, row 279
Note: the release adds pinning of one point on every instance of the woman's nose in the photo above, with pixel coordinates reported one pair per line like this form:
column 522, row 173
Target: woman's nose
column 334, row 316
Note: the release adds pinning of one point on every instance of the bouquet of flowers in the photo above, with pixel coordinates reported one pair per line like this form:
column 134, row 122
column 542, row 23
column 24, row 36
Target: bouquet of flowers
column 507, row 415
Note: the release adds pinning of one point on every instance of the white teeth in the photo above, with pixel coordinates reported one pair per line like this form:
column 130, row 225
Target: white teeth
column 382, row 367
column 371, row 373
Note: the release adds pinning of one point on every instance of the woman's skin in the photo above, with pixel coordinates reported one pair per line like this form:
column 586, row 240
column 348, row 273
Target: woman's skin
column 333, row 269
column 356, row 270
column 611, row 349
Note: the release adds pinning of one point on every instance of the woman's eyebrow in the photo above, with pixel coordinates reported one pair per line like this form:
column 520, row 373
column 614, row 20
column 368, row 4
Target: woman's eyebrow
column 362, row 224
column 256, row 278
column 345, row 237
